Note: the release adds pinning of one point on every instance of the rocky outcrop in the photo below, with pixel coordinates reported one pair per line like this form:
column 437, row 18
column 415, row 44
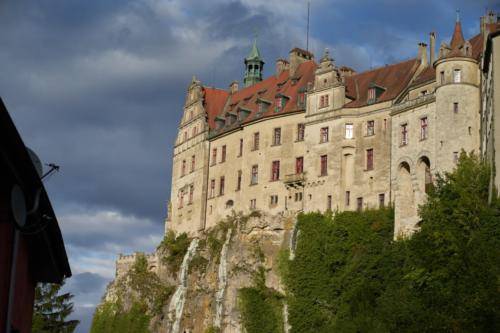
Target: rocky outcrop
column 215, row 266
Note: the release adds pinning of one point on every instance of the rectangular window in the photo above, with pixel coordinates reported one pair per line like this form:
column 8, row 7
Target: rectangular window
column 381, row 200
column 423, row 128
column 324, row 165
column 181, row 199
column 254, row 176
column 404, row 134
column 253, row 204
column 455, row 107
column 214, row 156
column 323, row 135
column 212, row 188
column 441, row 75
column 349, row 131
column 240, row 153
column 347, row 198
column 327, row 102
column 221, row 185
column 256, row 141
column 223, row 154
column 321, row 101
column 274, row 200
column 457, row 75
column 299, row 165
column 455, row 157
column 329, row 202
column 191, row 193
column 277, row 136
column 370, row 127
column 298, row 196
column 238, row 182
column 183, row 168
column 300, row 132
column 371, row 95
column 359, row 206
column 369, row 159
column 275, row 172
column 193, row 162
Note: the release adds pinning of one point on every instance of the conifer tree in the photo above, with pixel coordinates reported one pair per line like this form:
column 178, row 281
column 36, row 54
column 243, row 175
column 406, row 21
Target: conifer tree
column 52, row 309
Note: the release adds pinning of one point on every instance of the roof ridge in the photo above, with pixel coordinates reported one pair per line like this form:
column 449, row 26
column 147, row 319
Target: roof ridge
column 384, row 66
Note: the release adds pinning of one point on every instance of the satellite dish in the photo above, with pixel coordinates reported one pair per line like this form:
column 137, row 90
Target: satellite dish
column 36, row 162
column 18, row 205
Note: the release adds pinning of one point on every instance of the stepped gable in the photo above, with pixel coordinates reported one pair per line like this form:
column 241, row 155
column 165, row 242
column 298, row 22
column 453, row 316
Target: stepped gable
column 214, row 101
column 393, row 78
column 219, row 102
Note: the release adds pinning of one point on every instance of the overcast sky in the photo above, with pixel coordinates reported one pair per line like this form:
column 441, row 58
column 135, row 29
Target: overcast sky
column 98, row 86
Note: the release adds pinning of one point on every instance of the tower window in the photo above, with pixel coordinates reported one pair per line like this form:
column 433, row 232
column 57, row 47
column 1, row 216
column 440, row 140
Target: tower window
column 455, row 157
column 193, row 161
column 183, row 168
column 455, row 107
column 347, row 198
column 441, row 75
column 349, row 131
column 274, row 200
column 457, row 75
column 381, row 200
column 329, row 202
column 191, row 193
column 253, row 204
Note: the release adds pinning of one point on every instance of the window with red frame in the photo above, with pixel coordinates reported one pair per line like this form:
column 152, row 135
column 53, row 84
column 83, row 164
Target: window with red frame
column 221, row 185
column 191, row 193
column 193, row 161
column 300, row 132
column 324, row 165
column 275, row 172
column 277, row 136
column 323, row 135
column 369, row 159
column 423, row 128
column 299, row 165
column 183, row 168
column 214, row 156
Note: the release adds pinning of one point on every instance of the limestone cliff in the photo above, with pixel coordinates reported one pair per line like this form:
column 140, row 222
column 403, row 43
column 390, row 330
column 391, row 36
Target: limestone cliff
column 195, row 283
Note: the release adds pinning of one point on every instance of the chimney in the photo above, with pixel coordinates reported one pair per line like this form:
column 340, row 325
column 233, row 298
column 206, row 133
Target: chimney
column 298, row 56
column 233, row 87
column 281, row 66
column 432, row 51
column 422, row 53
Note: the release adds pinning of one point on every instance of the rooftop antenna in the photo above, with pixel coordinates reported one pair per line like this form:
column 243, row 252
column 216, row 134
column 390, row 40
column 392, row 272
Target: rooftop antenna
column 307, row 35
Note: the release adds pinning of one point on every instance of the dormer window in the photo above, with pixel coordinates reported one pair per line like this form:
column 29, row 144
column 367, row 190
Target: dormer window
column 374, row 92
column 279, row 103
column 219, row 122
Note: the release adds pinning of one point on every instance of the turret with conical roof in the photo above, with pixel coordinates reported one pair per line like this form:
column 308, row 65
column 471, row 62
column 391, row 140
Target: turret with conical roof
column 254, row 65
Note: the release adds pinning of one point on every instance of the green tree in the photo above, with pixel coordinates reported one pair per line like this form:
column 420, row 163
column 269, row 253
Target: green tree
column 52, row 309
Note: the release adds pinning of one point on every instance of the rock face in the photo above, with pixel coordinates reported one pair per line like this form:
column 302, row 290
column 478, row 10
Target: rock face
column 216, row 265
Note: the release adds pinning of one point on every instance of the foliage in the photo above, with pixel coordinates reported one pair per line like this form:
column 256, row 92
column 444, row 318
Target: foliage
column 51, row 310
column 349, row 276
column 198, row 263
column 213, row 329
column 261, row 307
column 147, row 297
column 174, row 249
column 110, row 318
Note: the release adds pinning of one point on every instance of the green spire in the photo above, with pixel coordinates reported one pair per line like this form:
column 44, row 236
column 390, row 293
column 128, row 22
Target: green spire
column 254, row 65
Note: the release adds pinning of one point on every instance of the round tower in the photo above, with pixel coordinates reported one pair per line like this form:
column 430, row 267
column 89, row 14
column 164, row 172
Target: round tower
column 457, row 100
column 254, row 66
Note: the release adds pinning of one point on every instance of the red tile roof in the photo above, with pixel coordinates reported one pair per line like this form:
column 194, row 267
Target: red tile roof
column 457, row 39
column 393, row 78
column 214, row 101
column 219, row 102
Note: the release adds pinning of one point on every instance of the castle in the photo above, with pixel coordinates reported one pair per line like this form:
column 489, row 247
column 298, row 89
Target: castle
column 318, row 137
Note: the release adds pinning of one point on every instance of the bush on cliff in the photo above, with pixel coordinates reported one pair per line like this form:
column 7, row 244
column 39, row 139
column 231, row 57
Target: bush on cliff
column 350, row 276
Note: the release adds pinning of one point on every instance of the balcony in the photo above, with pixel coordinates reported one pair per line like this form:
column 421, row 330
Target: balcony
column 295, row 180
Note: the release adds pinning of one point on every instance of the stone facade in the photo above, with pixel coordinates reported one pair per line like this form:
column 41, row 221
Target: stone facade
column 317, row 137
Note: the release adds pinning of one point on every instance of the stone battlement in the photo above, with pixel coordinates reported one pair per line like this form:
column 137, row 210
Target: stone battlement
column 126, row 261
